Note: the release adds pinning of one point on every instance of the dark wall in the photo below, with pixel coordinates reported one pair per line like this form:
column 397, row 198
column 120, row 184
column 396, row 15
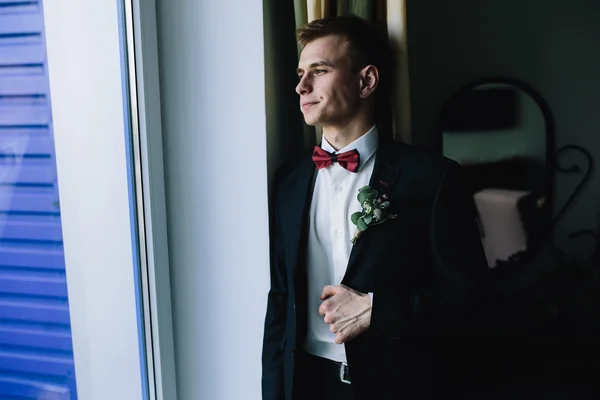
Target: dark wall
column 552, row 45
column 285, row 135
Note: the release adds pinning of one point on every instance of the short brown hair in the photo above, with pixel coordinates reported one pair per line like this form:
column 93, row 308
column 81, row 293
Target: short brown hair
column 367, row 44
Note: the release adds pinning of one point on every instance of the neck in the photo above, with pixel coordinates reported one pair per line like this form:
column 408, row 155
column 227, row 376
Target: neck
column 341, row 136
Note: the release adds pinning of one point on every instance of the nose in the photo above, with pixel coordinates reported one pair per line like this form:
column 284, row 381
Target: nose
column 303, row 86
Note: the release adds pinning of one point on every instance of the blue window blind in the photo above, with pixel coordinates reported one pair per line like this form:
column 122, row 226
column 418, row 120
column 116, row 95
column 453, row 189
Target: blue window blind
column 36, row 353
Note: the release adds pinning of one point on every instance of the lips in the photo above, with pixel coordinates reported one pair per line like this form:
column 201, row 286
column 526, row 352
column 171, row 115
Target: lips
column 306, row 105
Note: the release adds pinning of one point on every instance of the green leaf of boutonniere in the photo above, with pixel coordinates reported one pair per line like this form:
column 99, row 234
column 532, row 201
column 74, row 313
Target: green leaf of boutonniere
column 374, row 210
column 362, row 225
column 366, row 194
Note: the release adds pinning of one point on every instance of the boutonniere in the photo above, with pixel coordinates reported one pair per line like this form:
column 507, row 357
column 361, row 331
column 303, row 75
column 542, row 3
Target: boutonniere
column 374, row 210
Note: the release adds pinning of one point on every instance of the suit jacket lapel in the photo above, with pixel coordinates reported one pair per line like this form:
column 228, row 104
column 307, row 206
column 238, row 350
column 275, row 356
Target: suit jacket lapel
column 296, row 214
column 384, row 177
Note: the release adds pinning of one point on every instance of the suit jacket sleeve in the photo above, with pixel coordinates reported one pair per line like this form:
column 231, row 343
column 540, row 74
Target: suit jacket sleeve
column 455, row 281
column 274, row 327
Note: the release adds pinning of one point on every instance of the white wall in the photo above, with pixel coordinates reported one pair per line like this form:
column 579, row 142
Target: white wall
column 213, row 109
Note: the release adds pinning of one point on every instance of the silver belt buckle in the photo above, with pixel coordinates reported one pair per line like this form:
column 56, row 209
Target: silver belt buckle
column 344, row 373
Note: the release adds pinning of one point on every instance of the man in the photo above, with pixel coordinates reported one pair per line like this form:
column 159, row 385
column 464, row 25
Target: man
column 348, row 315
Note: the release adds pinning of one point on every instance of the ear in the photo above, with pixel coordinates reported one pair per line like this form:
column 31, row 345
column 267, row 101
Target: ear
column 369, row 79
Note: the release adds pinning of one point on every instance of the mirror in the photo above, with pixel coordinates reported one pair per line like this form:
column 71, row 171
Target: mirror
column 499, row 130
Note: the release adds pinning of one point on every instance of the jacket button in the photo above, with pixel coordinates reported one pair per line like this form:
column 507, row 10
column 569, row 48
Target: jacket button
column 294, row 353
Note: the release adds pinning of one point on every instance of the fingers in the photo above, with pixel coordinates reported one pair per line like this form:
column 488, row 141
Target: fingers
column 325, row 310
column 329, row 291
column 341, row 338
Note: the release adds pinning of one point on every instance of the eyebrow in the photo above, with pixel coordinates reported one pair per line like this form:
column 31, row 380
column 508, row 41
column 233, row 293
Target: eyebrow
column 316, row 64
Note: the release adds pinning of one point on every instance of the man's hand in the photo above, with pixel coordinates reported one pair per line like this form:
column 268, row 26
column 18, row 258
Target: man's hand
column 346, row 311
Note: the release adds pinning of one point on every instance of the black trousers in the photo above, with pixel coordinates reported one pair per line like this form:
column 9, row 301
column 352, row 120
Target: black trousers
column 319, row 379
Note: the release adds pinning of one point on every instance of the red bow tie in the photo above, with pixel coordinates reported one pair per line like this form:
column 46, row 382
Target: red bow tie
column 349, row 159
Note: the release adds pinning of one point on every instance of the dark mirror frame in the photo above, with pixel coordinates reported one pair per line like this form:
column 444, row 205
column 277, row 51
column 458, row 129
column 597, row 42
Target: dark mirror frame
column 546, row 221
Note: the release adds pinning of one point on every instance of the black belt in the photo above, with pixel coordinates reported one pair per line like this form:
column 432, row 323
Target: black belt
column 335, row 369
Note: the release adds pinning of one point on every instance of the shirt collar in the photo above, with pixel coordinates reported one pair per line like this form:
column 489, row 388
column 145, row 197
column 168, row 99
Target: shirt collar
column 366, row 145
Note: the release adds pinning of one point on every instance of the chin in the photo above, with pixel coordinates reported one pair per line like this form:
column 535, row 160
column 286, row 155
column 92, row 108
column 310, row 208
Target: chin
column 311, row 121
column 313, row 117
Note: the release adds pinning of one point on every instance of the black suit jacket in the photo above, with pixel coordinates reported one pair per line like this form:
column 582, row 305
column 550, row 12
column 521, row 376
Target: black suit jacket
column 422, row 267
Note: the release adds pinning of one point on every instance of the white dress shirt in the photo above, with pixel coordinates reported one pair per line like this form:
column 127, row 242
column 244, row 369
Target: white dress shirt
column 330, row 231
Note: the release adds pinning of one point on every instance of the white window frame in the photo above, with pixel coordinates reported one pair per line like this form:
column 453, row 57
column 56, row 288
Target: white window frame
column 86, row 82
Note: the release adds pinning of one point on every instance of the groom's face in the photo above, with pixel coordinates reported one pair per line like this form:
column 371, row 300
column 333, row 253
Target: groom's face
column 329, row 88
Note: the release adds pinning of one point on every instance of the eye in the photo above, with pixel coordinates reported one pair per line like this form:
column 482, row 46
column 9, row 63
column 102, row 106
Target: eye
column 300, row 77
column 320, row 71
